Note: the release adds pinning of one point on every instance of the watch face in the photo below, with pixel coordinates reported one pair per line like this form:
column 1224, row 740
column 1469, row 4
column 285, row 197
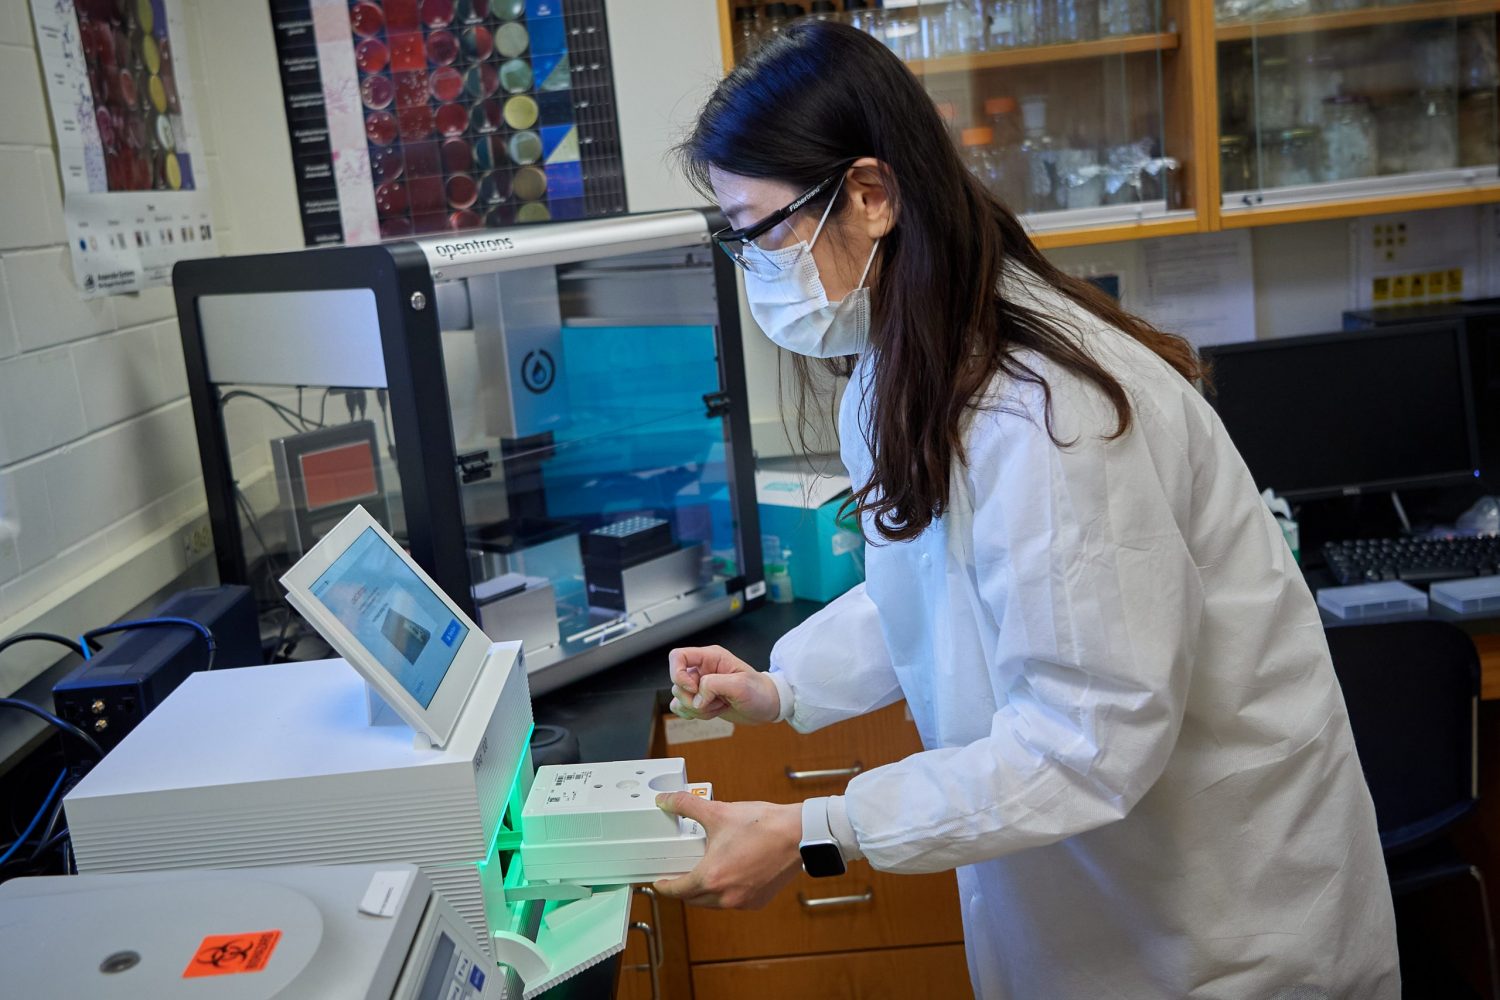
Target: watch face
column 820, row 859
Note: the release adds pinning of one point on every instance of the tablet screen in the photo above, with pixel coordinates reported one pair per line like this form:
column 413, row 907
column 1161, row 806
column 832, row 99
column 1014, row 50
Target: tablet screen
column 393, row 614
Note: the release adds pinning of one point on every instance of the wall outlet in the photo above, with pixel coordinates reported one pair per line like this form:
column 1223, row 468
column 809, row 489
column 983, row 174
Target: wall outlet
column 197, row 539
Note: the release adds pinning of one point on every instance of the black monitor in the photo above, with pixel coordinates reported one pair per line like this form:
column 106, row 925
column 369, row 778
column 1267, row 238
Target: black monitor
column 1346, row 413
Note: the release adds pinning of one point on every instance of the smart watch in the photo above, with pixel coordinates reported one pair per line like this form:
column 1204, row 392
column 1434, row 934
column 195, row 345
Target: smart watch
column 821, row 855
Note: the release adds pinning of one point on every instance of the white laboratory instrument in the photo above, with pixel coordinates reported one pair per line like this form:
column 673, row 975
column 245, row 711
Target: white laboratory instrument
column 311, row 763
column 595, row 824
column 349, row 932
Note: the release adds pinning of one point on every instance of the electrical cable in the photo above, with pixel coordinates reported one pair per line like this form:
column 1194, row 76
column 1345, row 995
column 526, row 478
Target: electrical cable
column 26, row 834
column 60, row 640
column 284, row 411
column 62, row 724
column 161, row 621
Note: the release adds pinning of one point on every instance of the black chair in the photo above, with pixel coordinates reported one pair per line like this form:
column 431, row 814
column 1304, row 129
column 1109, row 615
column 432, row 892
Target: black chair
column 1412, row 689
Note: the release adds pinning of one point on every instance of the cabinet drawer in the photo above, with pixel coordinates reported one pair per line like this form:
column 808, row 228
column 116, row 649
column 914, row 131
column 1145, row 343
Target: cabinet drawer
column 777, row 764
column 890, row 974
column 862, row 909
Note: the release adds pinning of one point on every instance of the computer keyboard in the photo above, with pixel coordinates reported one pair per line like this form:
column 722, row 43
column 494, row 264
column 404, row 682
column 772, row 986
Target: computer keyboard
column 1415, row 560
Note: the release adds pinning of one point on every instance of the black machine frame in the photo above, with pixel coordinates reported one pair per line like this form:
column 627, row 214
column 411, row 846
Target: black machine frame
column 401, row 279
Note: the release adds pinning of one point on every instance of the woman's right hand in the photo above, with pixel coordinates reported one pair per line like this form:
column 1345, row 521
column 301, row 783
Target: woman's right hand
column 709, row 682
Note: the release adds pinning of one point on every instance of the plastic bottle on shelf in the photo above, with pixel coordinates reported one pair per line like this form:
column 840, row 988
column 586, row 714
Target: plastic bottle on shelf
column 948, row 112
column 746, row 32
column 773, row 19
column 795, row 11
column 825, row 10
column 857, row 14
column 1000, row 24
column 1040, row 153
column 964, row 30
column 977, row 141
column 1008, row 161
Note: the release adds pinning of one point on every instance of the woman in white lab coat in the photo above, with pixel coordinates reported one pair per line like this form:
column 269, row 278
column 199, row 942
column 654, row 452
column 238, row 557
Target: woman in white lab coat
column 1136, row 753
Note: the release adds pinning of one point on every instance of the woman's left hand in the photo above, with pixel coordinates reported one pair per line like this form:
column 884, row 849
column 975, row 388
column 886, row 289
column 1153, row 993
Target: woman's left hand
column 752, row 852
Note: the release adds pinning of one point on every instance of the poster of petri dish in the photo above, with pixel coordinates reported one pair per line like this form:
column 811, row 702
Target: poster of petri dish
column 414, row 117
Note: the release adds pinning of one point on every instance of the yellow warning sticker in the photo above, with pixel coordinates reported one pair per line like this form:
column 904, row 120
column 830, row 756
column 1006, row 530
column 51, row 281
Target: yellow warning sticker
column 231, row 954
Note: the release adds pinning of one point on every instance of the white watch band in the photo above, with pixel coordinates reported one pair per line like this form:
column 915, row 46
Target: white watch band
column 815, row 821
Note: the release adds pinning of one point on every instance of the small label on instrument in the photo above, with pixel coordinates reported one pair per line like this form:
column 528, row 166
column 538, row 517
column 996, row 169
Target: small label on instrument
column 230, row 954
column 570, row 786
column 384, row 893
column 696, row 730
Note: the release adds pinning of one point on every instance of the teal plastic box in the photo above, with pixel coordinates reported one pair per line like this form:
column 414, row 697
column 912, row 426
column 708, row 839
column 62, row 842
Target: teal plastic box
column 801, row 510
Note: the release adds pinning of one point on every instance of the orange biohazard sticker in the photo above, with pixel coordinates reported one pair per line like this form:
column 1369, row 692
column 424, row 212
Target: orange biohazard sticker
column 229, row 954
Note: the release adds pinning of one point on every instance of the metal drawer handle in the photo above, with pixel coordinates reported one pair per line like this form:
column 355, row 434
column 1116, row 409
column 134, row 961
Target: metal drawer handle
column 832, row 902
column 650, row 894
column 652, row 966
column 825, row 773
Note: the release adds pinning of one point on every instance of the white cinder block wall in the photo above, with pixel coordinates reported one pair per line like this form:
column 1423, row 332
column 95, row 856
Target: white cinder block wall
column 99, row 472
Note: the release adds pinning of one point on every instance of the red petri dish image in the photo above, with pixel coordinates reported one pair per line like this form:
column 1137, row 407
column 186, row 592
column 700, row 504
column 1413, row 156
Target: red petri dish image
column 105, row 121
column 387, row 164
column 462, row 191
column 436, row 13
column 408, row 51
column 377, row 92
column 371, row 55
column 485, row 116
column 464, row 220
column 135, row 132
column 140, row 172
column 458, row 156
column 366, row 19
column 391, row 199
column 423, row 159
column 470, row 11
column 480, row 81
column 395, row 227
column 114, row 169
column 380, row 128
column 401, row 15
column 411, row 88
column 478, row 43
column 128, row 95
column 452, row 119
column 442, row 48
column 427, row 195
column 447, row 83
column 415, row 123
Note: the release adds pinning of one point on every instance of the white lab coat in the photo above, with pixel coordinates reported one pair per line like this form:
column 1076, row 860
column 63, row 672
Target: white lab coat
column 1137, row 754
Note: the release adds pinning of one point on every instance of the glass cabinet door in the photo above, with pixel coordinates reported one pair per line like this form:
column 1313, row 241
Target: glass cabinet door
column 1060, row 106
column 594, row 459
column 1325, row 99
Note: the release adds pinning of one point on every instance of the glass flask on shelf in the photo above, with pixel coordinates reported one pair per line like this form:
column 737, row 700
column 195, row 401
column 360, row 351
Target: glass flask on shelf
column 1040, row 154
column 1080, row 178
column 1126, row 17
column 746, row 32
column 1002, row 24
column 1477, row 132
column 857, row 14
column 1237, row 163
column 977, row 154
column 1075, row 20
column 1009, row 161
column 1476, row 55
column 1350, row 146
column 1291, row 157
column 773, row 19
column 964, row 27
column 825, row 10
column 1276, row 96
column 1434, row 132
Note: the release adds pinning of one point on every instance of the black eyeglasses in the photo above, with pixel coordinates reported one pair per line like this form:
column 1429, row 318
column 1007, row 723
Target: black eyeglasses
column 734, row 241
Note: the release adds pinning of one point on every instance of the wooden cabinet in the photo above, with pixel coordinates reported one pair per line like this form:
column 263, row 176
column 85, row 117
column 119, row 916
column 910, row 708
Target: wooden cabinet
column 863, row 934
column 893, row 974
column 1164, row 117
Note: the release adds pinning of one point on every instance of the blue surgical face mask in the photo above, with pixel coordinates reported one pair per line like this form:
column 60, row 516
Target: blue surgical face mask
column 788, row 301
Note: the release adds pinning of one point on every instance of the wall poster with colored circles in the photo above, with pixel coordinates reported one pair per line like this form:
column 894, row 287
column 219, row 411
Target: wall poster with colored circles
column 128, row 151
column 416, row 117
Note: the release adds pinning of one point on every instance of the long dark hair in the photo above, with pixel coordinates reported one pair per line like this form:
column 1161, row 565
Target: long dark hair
column 816, row 97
